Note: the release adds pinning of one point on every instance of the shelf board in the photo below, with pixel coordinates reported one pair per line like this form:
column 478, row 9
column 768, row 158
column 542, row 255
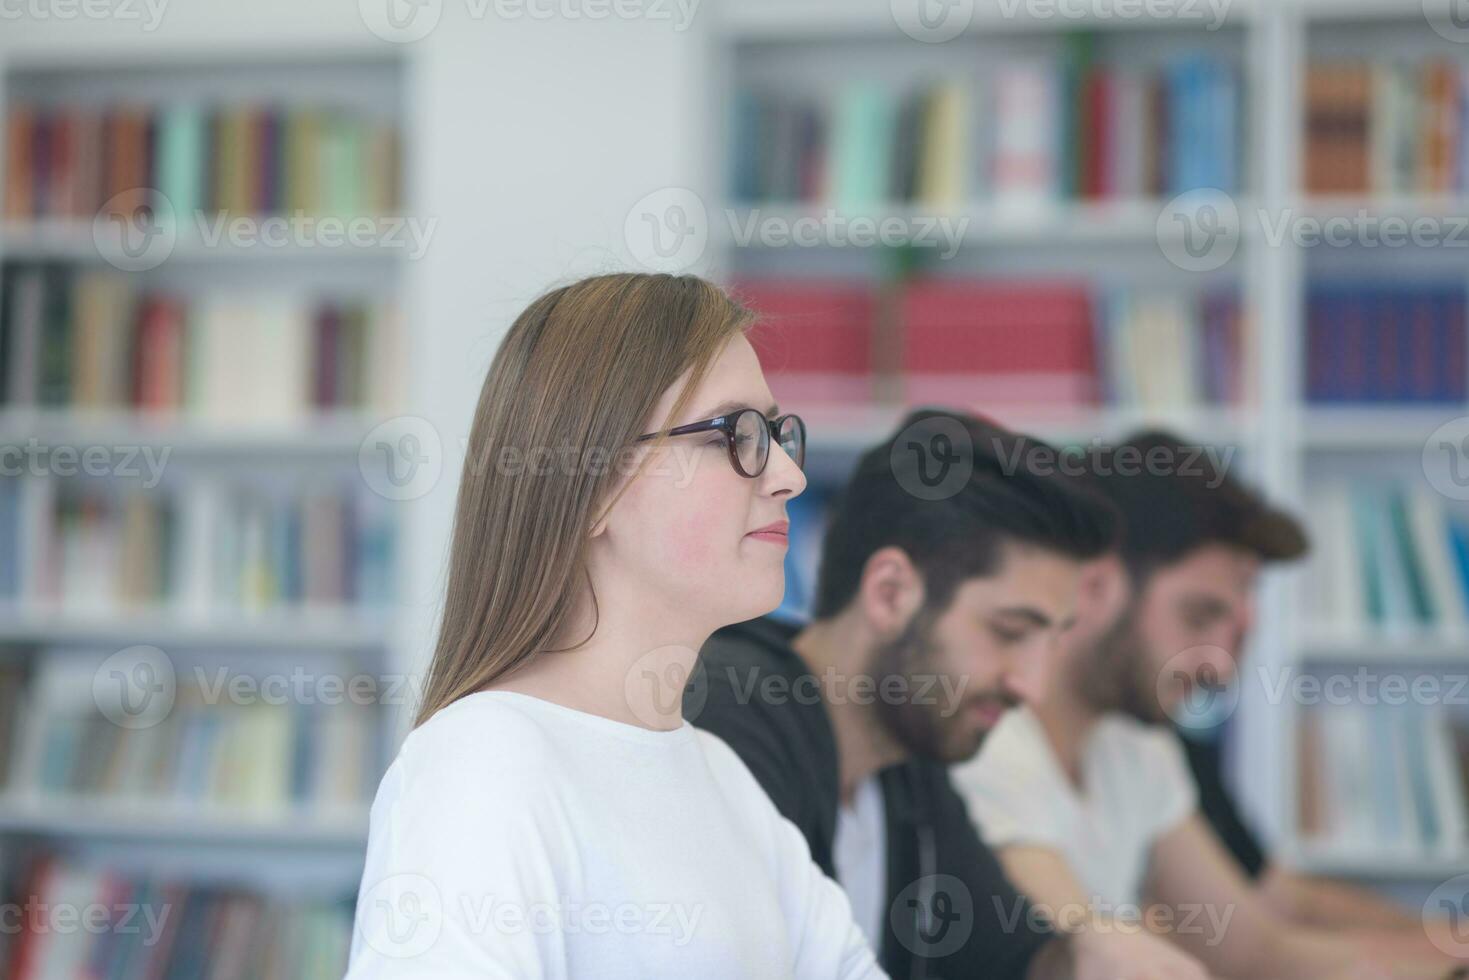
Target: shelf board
column 335, row 629
column 331, row 433
column 1374, row 428
column 1133, row 221
column 170, row 52
column 72, row 241
column 782, row 20
column 1348, row 10
column 1407, row 206
column 1321, row 646
column 101, row 818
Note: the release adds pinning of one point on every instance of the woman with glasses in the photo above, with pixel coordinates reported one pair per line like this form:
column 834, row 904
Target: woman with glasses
column 552, row 814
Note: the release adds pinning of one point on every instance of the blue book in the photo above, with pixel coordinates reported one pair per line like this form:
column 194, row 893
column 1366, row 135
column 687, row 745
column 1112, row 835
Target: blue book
column 9, row 538
column 1459, row 546
column 1227, row 141
column 808, row 514
column 304, row 753
column 1178, row 89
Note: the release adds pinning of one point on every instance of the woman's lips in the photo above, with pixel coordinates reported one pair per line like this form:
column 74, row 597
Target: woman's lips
column 777, row 533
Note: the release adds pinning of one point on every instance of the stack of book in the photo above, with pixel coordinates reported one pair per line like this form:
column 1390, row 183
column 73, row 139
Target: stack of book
column 1163, row 349
column 1386, row 780
column 1387, row 560
column 1028, row 132
column 1387, row 127
column 199, row 546
column 92, row 340
column 997, row 345
column 270, row 753
column 158, row 927
column 814, row 338
column 66, row 162
column 1386, row 342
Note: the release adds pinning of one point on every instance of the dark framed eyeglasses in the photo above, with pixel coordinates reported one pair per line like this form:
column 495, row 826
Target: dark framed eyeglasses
column 747, row 437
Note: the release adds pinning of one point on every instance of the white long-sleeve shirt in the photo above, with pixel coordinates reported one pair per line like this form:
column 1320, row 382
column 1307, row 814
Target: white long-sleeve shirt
column 516, row 838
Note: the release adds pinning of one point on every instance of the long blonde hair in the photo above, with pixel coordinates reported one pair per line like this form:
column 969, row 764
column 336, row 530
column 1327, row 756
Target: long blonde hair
column 581, row 369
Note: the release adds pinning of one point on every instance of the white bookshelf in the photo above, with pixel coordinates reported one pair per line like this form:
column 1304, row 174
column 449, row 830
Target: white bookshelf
column 73, row 242
column 269, row 847
column 1282, row 439
column 103, row 819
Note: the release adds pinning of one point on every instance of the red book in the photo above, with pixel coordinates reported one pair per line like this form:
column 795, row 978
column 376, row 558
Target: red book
column 1097, row 151
column 324, row 384
column 87, row 166
column 126, row 161
column 814, row 339
column 41, row 126
column 61, row 185
column 19, row 125
column 35, row 894
column 987, row 344
column 158, row 366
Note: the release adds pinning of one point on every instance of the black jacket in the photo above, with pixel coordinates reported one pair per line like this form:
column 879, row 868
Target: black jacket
column 756, row 693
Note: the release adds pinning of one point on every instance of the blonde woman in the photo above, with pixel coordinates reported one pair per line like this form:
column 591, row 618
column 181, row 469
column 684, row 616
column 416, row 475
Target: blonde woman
column 552, row 814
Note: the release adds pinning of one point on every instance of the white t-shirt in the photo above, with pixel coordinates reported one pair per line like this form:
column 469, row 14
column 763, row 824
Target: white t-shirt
column 516, row 838
column 860, row 854
column 1137, row 787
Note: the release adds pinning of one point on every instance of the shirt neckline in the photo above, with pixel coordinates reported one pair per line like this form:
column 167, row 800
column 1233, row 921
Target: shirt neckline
column 599, row 723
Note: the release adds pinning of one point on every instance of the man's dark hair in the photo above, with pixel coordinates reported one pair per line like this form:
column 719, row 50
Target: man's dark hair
column 1173, row 498
column 991, row 487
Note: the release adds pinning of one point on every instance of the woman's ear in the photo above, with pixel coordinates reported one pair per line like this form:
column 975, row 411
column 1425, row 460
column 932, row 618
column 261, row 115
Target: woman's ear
column 890, row 592
column 599, row 522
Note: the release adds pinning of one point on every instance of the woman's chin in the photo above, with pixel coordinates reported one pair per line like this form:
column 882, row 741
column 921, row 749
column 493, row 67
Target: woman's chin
column 765, row 596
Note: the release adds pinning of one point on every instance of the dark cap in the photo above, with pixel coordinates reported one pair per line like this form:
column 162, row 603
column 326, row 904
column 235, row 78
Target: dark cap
column 1173, row 497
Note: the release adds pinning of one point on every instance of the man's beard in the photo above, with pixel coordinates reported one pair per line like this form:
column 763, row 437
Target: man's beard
column 921, row 721
column 1114, row 676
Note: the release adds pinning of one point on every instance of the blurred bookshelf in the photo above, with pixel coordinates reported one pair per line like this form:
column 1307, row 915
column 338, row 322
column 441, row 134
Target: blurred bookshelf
column 225, row 536
column 1061, row 306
